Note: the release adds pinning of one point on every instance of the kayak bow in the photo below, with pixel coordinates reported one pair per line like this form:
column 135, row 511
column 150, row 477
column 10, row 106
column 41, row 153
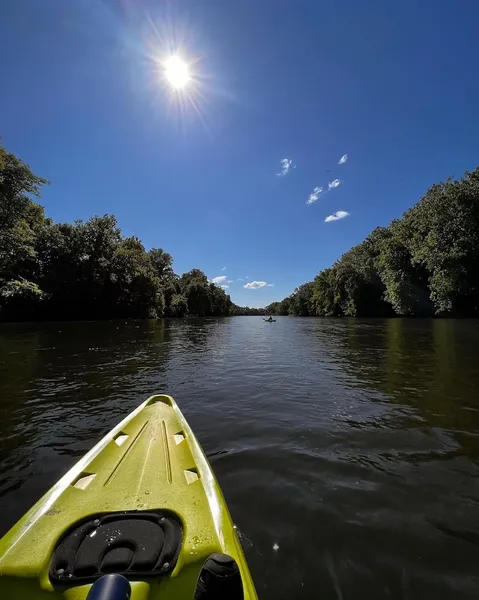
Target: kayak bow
column 143, row 503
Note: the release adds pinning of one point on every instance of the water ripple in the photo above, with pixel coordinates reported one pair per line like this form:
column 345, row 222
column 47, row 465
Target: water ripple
column 348, row 450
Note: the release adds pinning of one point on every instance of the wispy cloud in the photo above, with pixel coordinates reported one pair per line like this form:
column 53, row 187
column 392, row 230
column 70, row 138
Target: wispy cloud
column 219, row 279
column 224, row 286
column 254, row 285
column 286, row 165
column 333, row 184
column 314, row 195
column 223, row 269
column 240, row 278
column 230, row 281
column 340, row 214
column 343, row 159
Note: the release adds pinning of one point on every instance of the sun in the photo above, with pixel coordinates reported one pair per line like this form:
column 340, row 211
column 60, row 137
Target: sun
column 176, row 72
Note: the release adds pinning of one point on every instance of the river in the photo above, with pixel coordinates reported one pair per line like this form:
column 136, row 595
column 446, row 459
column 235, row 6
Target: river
column 348, row 450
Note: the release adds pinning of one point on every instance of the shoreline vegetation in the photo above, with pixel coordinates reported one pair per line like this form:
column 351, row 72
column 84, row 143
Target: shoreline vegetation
column 87, row 270
column 425, row 264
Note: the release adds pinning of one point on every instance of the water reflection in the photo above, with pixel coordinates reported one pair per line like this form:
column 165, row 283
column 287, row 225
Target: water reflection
column 428, row 366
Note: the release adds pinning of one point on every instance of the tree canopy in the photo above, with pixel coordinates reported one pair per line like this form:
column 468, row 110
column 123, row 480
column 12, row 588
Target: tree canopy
column 424, row 264
column 88, row 269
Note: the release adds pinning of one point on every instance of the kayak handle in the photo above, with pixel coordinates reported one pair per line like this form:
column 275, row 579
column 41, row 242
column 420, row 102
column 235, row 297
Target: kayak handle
column 110, row 587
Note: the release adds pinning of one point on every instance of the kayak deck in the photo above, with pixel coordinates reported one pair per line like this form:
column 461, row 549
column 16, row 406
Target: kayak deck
column 151, row 462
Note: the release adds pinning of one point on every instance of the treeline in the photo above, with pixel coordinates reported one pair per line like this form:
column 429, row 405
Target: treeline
column 248, row 311
column 86, row 270
column 424, row 264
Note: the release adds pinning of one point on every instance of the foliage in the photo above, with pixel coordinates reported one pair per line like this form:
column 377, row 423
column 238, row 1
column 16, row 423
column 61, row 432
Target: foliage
column 16, row 183
column 20, row 298
column 239, row 311
column 86, row 270
column 178, row 306
column 422, row 264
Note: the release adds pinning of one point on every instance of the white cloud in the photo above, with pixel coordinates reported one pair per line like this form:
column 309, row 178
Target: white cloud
column 286, row 165
column 343, row 159
column 333, row 184
column 340, row 214
column 219, row 279
column 223, row 269
column 225, row 287
column 230, row 281
column 240, row 278
column 314, row 195
column 254, row 285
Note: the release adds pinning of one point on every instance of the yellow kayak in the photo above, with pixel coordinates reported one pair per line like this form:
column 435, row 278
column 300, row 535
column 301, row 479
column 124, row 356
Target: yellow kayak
column 141, row 510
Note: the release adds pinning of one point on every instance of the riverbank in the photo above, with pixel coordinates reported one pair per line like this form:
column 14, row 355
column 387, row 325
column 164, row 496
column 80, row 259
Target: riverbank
column 423, row 264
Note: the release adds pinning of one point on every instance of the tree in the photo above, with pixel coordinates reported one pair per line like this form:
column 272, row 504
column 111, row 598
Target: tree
column 300, row 300
column 17, row 182
column 162, row 264
column 421, row 264
column 179, row 306
column 20, row 300
column 405, row 284
column 134, row 285
column 195, row 287
column 324, row 302
column 443, row 239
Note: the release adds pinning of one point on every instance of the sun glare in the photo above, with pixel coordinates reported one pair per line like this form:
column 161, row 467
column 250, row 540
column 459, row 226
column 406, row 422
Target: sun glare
column 177, row 72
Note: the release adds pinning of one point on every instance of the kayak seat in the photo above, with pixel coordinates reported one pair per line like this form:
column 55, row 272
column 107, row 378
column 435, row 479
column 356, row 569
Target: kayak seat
column 133, row 544
column 220, row 579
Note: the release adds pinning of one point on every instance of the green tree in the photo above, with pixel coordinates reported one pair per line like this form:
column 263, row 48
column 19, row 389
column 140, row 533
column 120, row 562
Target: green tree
column 300, row 301
column 17, row 183
column 162, row 263
column 406, row 285
column 179, row 306
column 324, row 301
column 443, row 238
column 20, row 300
column 133, row 284
column 195, row 287
column 425, row 262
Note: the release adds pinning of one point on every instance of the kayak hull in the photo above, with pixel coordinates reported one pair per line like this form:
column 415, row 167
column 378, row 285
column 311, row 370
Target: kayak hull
column 149, row 462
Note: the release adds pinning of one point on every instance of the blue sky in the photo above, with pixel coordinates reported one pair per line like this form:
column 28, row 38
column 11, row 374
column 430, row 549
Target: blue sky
column 391, row 84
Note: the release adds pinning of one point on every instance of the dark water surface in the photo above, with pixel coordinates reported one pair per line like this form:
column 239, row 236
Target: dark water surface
column 352, row 445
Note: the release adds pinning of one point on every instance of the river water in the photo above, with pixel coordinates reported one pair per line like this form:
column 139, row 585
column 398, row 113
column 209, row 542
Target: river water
column 348, row 450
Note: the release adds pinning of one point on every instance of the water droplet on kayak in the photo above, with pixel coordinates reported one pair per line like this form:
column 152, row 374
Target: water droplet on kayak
column 147, row 493
column 93, row 533
column 196, row 540
column 275, row 547
column 166, row 565
column 96, row 522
